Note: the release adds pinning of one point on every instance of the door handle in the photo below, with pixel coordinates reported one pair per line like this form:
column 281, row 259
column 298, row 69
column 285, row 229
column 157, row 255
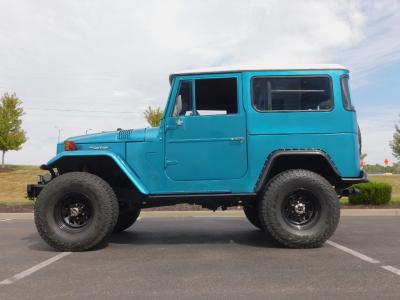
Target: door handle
column 179, row 122
column 239, row 139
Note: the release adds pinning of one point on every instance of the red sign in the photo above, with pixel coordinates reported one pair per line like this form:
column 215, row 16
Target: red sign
column 386, row 162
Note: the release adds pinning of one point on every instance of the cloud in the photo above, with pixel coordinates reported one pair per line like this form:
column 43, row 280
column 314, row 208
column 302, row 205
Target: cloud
column 116, row 56
column 117, row 93
column 379, row 45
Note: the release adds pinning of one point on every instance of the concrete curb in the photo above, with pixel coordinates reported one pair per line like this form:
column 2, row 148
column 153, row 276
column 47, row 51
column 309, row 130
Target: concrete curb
column 372, row 212
column 223, row 214
column 16, row 216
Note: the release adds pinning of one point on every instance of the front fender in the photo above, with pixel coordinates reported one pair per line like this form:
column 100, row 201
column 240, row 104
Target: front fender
column 133, row 177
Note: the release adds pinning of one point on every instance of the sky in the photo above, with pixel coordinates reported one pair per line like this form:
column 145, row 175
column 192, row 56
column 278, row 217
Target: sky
column 89, row 66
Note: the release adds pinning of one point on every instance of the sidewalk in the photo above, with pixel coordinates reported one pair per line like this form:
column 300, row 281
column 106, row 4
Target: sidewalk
column 223, row 214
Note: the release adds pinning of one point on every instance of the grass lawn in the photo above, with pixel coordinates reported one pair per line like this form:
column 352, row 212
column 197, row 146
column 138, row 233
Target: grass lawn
column 393, row 180
column 13, row 181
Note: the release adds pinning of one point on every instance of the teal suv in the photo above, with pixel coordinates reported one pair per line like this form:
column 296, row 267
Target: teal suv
column 283, row 143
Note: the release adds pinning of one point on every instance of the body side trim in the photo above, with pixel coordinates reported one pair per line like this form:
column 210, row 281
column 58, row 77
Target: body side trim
column 204, row 195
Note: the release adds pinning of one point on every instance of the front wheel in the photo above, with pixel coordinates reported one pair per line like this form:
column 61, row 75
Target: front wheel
column 299, row 209
column 251, row 213
column 76, row 211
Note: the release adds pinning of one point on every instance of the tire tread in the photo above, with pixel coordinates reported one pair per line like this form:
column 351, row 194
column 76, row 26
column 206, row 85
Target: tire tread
column 109, row 211
column 268, row 208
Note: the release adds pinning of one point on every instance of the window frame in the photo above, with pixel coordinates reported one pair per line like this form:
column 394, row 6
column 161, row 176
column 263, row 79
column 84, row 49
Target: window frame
column 351, row 106
column 192, row 78
column 292, row 76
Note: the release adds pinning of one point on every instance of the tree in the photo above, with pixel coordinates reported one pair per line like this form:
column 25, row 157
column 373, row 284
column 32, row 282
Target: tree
column 11, row 134
column 395, row 144
column 153, row 116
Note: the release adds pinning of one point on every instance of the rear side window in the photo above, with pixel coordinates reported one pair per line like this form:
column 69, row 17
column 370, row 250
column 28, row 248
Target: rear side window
column 344, row 81
column 292, row 94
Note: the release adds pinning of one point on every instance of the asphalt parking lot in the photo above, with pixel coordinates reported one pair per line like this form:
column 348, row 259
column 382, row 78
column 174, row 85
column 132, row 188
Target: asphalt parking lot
column 204, row 257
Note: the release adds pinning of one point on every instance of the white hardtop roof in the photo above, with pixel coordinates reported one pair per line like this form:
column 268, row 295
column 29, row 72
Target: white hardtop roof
column 234, row 69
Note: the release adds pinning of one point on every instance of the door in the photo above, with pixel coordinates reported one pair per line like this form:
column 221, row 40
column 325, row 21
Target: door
column 206, row 130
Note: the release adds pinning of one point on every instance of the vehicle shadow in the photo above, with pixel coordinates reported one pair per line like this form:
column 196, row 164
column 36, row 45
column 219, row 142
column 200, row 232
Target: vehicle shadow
column 194, row 232
column 254, row 238
column 176, row 231
column 36, row 243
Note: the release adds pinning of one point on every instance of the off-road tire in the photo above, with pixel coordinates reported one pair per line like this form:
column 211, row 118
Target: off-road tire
column 104, row 212
column 126, row 219
column 273, row 216
column 251, row 213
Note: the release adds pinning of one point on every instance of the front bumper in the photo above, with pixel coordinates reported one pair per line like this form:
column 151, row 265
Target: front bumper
column 33, row 190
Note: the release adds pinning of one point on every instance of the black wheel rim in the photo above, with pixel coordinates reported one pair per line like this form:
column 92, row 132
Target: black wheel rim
column 301, row 209
column 73, row 212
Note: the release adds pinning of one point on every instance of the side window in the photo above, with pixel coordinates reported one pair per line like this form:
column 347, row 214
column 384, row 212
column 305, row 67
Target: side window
column 216, row 96
column 346, row 100
column 183, row 102
column 292, row 94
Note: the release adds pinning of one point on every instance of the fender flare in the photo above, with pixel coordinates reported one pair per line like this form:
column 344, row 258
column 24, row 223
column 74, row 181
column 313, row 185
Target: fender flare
column 272, row 158
column 125, row 168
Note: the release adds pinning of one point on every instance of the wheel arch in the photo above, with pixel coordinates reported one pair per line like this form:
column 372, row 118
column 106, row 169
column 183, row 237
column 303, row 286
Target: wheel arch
column 104, row 164
column 314, row 160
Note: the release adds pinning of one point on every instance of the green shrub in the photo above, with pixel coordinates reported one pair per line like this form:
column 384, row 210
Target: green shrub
column 373, row 193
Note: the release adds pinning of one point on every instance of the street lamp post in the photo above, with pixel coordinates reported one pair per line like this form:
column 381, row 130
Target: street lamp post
column 59, row 133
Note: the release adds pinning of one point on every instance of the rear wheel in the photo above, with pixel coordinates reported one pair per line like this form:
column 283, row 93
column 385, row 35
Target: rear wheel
column 299, row 209
column 251, row 213
column 76, row 211
column 126, row 219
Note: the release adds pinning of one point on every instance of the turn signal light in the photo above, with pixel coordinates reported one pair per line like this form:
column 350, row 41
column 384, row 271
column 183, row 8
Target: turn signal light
column 70, row 146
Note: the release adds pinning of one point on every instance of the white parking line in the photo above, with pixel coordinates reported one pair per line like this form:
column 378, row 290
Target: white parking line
column 364, row 257
column 354, row 253
column 32, row 270
column 391, row 269
column 5, row 220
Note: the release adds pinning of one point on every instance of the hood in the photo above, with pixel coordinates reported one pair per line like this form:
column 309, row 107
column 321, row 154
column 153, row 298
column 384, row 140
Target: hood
column 129, row 135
